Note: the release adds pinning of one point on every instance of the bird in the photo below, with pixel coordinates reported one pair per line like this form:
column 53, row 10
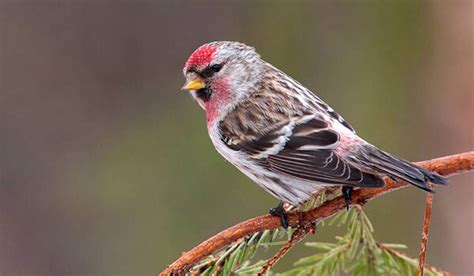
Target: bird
column 280, row 134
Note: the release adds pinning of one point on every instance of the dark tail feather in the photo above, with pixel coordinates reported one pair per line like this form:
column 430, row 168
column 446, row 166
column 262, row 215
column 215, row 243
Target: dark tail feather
column 398, row 168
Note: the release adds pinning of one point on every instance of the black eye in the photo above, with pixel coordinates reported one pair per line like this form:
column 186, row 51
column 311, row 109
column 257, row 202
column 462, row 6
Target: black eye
column 216, row 67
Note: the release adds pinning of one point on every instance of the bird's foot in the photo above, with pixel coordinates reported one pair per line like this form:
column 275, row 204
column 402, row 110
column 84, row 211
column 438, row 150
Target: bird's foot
column 279, row 211
column 346, row 192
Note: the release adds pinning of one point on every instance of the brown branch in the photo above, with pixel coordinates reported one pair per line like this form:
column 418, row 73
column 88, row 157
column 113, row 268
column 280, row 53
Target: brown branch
column 425, row 233
column 299, row 234
column 448, row 165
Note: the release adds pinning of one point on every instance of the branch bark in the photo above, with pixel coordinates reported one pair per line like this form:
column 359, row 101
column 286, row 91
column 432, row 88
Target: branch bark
column 424, row 234
column 446, row 166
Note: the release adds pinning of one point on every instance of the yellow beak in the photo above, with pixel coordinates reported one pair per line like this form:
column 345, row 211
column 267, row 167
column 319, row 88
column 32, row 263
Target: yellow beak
column 195, row 84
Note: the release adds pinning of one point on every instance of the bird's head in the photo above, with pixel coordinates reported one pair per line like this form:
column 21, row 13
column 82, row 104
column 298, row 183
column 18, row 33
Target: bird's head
column 219, row 73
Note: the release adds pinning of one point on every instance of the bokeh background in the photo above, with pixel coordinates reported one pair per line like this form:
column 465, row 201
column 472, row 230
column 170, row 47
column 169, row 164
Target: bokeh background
column 106, row 167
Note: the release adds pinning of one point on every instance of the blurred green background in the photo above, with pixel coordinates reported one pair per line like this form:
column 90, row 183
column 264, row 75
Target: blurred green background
column 106, row 166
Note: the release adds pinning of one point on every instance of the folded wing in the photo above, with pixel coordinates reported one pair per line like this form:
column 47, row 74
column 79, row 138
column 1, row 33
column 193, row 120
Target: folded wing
column 303, row 148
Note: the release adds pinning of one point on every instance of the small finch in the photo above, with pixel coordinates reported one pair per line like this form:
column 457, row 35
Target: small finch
column 280, row 134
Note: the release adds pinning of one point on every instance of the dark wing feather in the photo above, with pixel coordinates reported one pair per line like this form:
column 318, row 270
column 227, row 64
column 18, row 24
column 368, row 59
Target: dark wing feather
column 322, row 165
column 307, row 153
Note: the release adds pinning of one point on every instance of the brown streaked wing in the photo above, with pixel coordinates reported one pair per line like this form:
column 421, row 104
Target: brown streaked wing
column 309, row 155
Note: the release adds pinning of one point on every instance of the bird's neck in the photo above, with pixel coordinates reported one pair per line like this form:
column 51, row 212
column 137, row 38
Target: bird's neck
column 217, row 104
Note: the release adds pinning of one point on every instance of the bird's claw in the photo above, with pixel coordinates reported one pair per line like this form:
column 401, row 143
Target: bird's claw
column 279, row 211
column 346, row 192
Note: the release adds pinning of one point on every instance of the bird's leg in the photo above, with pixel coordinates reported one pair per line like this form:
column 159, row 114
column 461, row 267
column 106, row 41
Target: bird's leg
column 346, row 192
column 279, row 211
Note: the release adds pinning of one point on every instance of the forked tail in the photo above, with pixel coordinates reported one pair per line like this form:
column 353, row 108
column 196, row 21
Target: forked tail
column 394, row 167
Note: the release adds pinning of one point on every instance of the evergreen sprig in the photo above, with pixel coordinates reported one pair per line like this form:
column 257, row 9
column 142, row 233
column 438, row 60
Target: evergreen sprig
column 355, row 253
column 237, row 257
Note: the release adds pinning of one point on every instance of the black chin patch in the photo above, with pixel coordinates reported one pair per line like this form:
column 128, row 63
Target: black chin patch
column 204, row 94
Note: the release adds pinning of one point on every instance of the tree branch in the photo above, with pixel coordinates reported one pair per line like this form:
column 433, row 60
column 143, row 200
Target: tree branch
column 446, row 166
column 424, row 234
